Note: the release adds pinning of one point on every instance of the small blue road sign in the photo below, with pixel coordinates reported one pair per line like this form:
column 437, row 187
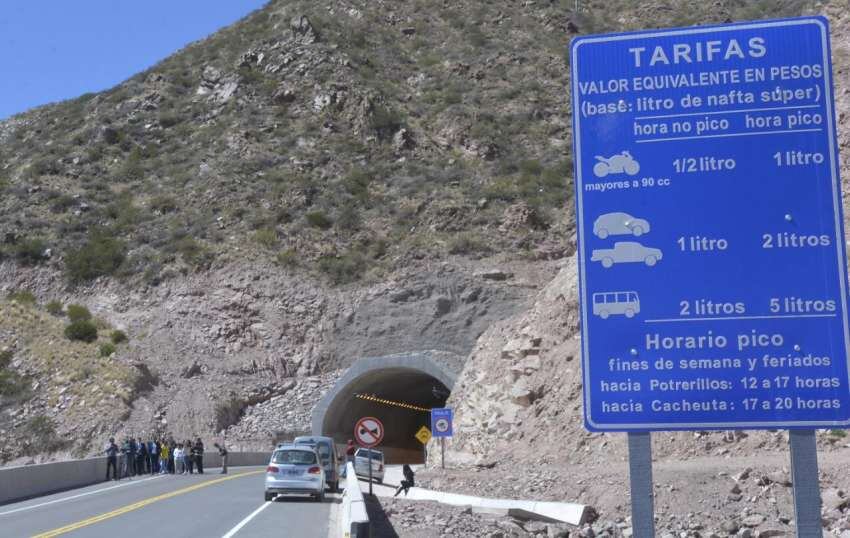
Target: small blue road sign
column 441, row 422
column 710, row 231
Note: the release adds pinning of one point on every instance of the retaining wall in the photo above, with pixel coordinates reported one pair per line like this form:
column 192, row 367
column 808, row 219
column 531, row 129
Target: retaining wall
column 27, row 481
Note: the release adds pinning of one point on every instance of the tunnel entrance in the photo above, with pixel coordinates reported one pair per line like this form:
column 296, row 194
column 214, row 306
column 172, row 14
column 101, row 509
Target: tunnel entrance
column 397, row 390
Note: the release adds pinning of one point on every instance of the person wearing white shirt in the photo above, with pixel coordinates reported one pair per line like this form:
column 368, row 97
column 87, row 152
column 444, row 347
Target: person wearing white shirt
column 178, row 459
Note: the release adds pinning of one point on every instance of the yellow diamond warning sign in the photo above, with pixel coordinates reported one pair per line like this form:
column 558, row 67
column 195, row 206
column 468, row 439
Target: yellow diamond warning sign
column 424, row 435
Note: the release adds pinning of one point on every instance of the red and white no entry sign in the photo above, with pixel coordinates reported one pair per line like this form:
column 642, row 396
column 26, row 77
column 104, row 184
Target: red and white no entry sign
column 369, row 432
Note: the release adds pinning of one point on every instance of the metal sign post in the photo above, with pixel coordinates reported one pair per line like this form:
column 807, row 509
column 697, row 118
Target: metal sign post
column 804, row 477
column 711, row 250
column 640, row 482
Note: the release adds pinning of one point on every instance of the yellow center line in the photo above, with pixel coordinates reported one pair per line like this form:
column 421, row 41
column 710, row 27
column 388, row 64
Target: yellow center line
column 137, row 505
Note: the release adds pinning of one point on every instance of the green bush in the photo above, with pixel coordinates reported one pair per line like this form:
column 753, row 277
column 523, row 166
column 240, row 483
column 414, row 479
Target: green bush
column 22, row 297
column 41, row 431
column 318, row 219
column 118, row 337
column 343, row 269
column 288, row 257
column 193, row 252
column 30, row 251
column 12, row 384
column 385, row 122
column 357, row 184
column 101, row 255
column 54, row 307
column 169, row 119
column 78, row 313
column 266, row 238
column 83, row 331
column 467, row 243
column 348, row 220
column 132, row 168
column 163, row 204
column 106, row 349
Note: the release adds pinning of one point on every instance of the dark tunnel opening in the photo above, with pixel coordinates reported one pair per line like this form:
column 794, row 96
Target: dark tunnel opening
column 408, row 394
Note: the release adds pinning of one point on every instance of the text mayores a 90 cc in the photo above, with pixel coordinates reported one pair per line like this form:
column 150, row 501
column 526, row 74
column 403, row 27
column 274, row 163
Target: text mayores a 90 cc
column 711, row 252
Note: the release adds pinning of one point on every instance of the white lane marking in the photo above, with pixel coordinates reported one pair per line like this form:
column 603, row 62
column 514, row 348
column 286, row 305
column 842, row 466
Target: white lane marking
column 245, row 521
column 333, row 521
column 71, row 498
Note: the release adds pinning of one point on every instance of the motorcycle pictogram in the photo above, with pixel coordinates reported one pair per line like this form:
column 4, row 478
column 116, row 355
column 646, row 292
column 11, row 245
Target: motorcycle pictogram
column 621, row 162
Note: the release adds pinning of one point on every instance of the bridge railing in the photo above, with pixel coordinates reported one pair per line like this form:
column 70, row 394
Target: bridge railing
column 28, row 481
column 354, row 518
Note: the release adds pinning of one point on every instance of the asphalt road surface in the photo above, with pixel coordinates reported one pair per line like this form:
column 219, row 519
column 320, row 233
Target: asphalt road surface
column 209, row 505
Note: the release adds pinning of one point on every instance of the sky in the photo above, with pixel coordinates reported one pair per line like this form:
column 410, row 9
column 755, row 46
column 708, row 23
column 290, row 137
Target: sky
column 52, row 50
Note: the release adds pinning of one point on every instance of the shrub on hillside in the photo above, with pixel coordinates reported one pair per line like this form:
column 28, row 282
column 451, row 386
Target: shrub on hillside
column 343, row 269
column 83, row 331
column 467, row 243
column 106, row 349
column 266, row 238
column 348, row 220
column 41, row 431
column 30, row 251
column 193, row 252
column 54, row 307
column 118, row 337
column 78, row 313
column 22, row 297
column 318, row 219
column 288, row 257
column 101, row 255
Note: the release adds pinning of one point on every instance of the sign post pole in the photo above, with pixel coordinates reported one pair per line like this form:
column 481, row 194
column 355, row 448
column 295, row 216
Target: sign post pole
column 804, row 477
column 370, row 472
column 640, row 482
column 443, row 452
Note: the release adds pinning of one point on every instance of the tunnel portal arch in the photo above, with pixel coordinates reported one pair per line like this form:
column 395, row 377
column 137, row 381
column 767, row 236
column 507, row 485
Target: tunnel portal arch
column 414, row 378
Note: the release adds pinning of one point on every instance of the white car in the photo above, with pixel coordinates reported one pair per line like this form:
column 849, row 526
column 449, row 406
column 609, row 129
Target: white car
column 619, row 224
column 361, row 464
column 626, row 252
column 295, row 469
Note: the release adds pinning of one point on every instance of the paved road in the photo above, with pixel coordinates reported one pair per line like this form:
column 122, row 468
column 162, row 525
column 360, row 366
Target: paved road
column 209, row 505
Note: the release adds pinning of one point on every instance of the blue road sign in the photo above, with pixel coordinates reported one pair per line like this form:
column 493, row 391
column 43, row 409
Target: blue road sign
column 711, row 245
column 441, row 422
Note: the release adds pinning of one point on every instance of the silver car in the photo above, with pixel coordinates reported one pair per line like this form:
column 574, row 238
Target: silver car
column 619, row 224
column 361, row 464
column 327, row 453
column 295, row 469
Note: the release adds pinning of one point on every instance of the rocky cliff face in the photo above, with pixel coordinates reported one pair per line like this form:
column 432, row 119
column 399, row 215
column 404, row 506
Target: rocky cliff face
column 215, row 345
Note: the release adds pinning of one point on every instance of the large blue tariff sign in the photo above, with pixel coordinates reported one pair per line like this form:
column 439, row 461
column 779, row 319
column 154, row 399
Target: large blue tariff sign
column 711, row 245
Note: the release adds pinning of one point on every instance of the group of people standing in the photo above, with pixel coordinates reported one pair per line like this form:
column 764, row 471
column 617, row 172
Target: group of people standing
column 157, row 456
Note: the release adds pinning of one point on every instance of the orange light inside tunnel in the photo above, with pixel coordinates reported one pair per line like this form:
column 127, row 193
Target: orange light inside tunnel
column 373, row 398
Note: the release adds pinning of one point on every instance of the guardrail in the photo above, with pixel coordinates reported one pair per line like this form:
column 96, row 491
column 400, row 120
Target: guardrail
column 28, row 481
column 354, row 519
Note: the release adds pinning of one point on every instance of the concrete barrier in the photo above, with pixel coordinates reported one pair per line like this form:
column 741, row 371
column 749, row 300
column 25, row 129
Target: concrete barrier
column 28, row 481
column 354, row 518
column 572, row 513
